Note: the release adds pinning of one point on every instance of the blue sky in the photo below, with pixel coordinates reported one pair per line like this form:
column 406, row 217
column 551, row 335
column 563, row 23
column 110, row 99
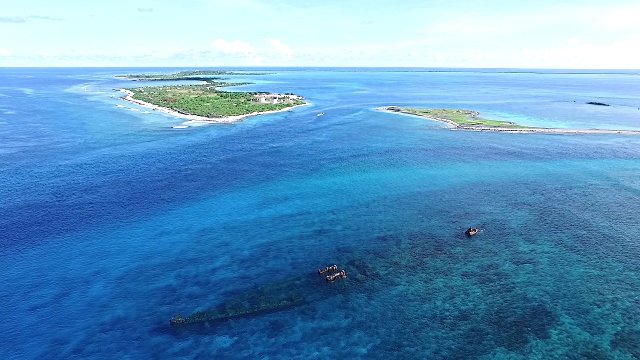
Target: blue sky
column 489, row 33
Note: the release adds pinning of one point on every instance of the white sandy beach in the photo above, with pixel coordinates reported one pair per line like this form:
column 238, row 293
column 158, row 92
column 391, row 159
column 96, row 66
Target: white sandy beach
column 514, row 130
column 195, row 118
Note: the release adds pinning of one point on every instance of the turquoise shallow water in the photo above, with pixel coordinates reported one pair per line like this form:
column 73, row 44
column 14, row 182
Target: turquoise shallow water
column 112, row 222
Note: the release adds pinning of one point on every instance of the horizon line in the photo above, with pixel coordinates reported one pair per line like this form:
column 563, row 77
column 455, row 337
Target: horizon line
column 317, row 67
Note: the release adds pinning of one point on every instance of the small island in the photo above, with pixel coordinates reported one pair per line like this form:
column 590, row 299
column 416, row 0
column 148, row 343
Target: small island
column 459, row 119
column 205, row 102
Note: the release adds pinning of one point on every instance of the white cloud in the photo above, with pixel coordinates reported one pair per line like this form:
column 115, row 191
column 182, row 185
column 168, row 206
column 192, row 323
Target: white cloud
column 619, row 54
column 5, row 52
column 12, row 19
column 24, row 19
column 235, row 47
column 619, row 18
column 281, row 48
column 239, row 52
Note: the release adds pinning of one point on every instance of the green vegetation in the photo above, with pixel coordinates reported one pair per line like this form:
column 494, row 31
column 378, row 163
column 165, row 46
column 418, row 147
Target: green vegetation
column 206, row 100
column 201, row 75
column 461, row 118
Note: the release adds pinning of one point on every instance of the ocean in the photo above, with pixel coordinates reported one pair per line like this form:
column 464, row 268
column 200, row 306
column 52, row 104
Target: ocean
column 112, row 222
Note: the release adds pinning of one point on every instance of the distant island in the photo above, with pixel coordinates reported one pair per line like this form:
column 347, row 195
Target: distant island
column 203, row 75
column 470, row 120
column 205, row 102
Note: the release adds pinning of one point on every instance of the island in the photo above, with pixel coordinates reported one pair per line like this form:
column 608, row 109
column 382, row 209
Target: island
column 459, row 119
column 206, row 102
column 204, row 75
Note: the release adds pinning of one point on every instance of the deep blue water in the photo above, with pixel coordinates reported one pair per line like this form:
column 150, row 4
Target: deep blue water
column 112, row 222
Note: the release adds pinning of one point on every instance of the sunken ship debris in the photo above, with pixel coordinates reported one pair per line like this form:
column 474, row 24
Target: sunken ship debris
column 273, row 297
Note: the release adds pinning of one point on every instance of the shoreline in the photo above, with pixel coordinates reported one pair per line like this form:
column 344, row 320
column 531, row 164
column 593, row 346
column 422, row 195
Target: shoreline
column 197, row 118
column 514, row 130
